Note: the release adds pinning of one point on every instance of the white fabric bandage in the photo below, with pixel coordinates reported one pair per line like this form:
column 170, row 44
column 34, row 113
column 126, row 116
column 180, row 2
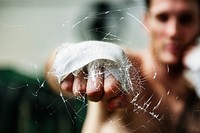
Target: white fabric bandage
column 193, row 63
column 192, row 60
column 72, row 58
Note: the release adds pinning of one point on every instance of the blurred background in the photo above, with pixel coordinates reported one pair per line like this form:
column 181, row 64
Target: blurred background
column 29, row 31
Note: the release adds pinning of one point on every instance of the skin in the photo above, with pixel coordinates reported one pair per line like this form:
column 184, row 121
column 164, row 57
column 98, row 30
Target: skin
column 170, row 29
column 173, row 27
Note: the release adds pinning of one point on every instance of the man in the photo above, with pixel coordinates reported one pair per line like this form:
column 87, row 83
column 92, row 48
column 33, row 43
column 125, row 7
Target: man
column 168, row 102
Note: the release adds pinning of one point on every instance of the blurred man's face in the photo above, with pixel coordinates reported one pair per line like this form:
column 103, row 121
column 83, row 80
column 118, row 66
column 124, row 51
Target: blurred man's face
column 173, row 25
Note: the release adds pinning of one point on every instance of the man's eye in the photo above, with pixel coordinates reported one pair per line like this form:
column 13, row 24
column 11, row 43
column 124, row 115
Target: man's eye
column 162, row 17
column 185, row 19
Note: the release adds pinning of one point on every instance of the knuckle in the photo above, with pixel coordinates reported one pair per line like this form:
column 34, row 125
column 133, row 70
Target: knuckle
column 67, row 83
column 66, row 86
column 95, row 95
column 111, row 87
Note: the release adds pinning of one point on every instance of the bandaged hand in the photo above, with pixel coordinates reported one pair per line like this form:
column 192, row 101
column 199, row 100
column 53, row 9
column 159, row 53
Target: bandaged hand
column 98, row 70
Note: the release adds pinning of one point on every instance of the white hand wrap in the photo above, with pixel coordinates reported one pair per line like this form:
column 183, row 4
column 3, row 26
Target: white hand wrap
column 193, row 63
column 192, row 60
column 71, row 58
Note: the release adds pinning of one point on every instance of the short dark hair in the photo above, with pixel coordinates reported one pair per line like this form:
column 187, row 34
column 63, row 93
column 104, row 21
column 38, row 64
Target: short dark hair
column 148, row 2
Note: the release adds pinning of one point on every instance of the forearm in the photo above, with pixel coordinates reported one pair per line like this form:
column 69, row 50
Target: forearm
column 103, row 121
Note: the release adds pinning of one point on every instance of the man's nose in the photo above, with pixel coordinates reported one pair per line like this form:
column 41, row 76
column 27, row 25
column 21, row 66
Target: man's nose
column 173, row 28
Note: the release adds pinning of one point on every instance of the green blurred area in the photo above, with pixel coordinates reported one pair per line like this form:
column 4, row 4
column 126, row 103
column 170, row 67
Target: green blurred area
column 28, row 106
